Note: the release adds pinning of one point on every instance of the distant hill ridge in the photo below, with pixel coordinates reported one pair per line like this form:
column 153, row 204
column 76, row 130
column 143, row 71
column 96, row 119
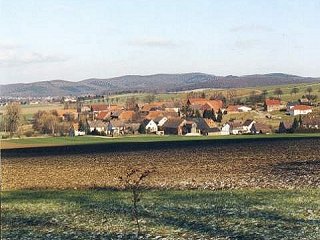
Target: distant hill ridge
column 148, row 83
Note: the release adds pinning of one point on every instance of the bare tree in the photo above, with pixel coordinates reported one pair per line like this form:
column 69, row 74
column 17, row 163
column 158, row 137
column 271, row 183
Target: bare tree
column 12, row 118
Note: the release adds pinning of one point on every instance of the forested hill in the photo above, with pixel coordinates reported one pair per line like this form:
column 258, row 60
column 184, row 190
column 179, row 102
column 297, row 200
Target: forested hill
column 148, row 83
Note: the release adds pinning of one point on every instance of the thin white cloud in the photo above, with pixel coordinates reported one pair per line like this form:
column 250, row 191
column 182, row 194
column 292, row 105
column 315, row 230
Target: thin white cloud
column 11, row 55
column 251, row 28
column 153, row 42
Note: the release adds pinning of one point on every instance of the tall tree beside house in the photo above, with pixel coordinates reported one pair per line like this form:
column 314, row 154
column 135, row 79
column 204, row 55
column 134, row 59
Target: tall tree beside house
column 295, row 125
column 142, row 129
column 12, row 118
column 282, row 128
column 209, row 114
column 300, row 120
column 186, row 111
column 219, row 116
column 84, row 126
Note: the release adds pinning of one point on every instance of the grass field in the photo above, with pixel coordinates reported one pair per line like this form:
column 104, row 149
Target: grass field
column 240, row 92
column 90, row 214
column 228, row 187
column 61, row 141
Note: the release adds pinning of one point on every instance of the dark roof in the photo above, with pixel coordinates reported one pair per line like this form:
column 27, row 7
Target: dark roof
column 215, row 129
column 173, row 123
column 201, row 123
column 157, row 119
column 247, row 122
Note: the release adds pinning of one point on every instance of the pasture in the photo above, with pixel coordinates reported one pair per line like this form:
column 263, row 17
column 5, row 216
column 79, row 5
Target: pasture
column 165, row 214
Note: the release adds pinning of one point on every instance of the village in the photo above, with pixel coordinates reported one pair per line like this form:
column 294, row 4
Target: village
column 195, row 113
column 193, row 117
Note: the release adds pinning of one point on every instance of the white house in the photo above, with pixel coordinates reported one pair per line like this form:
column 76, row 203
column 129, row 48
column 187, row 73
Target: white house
column 244, row 109
column 300, row 110
column 241, row 128
column 151, row 127
column 225, row 130
column 247, row 125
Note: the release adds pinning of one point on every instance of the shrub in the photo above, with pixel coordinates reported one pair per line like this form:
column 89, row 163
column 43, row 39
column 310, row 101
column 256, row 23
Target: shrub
column 28, row 133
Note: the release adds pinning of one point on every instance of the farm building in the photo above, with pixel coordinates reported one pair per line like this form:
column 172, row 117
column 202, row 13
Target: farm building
column 174, row 126
column 150, row 126
column 300, row 110
column 97, row 125
column 272, row 105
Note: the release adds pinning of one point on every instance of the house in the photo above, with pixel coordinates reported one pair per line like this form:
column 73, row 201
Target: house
column 225, row 130
column 304, row 101
column 128, row 116
column 214, row 131
column 160, row 120
column 154, row 114
column 238, row 109
column 131, row 128
column 203, row 126
column 247, row 125
column 272, row 105
column 261, row 128
column 244, row 109
column 212, row 104
column 191, row 129
column 196, row 101
column 239, row 127
column 97, row 125
column 300, row 110
column 99, row 108
column 150, row 126
column 291, row 105
column 103, row 116
column 115, row 127
column 174, row 126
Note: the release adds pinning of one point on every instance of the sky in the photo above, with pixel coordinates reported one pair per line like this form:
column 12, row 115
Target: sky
column 79, row 39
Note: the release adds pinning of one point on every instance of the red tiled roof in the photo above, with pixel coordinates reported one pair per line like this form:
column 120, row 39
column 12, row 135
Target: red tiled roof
column 233, row 108
column 154, row 114
column 99, row 107
column 127, row 115
column 199, row 101
column 301, row 107
column 103, row 115
column 271, row 102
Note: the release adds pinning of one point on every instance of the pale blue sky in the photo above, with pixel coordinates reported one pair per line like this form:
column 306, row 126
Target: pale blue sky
column 78, row 39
